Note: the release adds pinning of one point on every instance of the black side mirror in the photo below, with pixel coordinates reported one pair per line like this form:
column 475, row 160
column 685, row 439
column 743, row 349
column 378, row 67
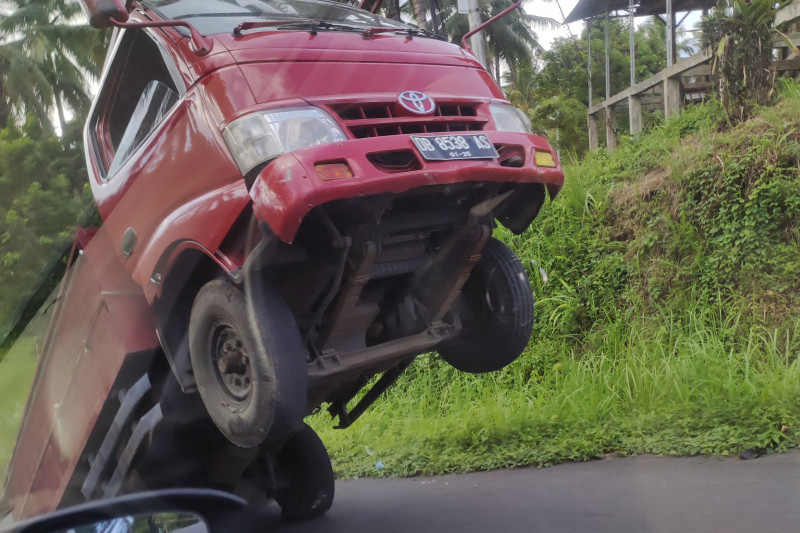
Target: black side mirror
column 169, row 510
column 100, row 12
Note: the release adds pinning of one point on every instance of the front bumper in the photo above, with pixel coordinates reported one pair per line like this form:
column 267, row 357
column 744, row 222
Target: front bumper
column 290, row 186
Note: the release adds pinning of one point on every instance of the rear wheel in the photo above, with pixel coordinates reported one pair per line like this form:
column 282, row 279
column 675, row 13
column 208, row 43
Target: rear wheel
column 249, row 363
column 305, row 466
column 496, row 308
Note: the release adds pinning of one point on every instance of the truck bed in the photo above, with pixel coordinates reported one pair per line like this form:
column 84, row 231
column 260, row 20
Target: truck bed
column 101, row 323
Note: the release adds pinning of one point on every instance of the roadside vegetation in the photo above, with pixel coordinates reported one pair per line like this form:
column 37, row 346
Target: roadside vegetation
column 667, row 278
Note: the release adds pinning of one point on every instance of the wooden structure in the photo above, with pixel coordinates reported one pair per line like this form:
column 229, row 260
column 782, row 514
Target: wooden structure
column 669, row 80
column 683, row 80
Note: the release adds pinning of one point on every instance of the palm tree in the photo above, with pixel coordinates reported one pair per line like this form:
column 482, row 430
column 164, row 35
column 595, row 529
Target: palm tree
column 521, row 89
column 511, row 40
column 22, row 87
column 46, row 60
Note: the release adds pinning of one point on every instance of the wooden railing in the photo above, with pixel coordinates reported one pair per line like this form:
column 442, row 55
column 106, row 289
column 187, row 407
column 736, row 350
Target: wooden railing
column 673, row 86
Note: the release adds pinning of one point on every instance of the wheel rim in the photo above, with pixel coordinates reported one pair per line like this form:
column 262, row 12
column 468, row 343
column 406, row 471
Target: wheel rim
column 231, row 362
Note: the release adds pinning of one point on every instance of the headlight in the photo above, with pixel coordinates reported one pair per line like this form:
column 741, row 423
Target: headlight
column 509, row 118
column 259, row 137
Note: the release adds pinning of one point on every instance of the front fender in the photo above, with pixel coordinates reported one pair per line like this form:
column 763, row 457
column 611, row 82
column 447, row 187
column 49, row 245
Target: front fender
column 202, row 223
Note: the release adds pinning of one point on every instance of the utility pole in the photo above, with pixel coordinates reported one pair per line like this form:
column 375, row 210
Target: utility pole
column 476, row 41
column 589, row 56
column 608, row 60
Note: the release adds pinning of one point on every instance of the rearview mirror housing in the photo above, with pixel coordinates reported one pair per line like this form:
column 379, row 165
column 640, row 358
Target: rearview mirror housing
column 100, row 12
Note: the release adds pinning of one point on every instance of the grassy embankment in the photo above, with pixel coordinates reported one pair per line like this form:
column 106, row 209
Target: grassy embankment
column 667, row 316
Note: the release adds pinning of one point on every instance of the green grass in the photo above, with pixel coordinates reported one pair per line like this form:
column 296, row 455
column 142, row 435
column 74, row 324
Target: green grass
column 16, row 375
column 666, row 385
column 17, row 370
column 667, row 278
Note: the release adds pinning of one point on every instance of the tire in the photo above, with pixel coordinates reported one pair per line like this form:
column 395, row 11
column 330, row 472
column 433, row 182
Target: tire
column 305, row 464
column 497, row 313
column 249, row 363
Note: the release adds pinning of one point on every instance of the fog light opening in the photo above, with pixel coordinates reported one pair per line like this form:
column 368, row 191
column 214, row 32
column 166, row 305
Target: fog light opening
column 544, row 159
column 333, row 171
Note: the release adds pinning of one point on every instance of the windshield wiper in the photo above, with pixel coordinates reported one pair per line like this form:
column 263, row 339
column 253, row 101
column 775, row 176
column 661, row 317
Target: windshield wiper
column 312, row 25
column 409, row 32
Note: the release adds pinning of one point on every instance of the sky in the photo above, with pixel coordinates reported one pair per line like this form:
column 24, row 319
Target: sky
column 550, row 8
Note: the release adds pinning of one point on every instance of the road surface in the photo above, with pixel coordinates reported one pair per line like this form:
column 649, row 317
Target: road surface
column 694, row 494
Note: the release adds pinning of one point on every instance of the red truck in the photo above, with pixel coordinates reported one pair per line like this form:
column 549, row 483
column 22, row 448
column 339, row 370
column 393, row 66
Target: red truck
column 297, row 196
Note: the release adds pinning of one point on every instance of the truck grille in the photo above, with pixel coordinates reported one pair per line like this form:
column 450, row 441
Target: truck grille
column 379, row 119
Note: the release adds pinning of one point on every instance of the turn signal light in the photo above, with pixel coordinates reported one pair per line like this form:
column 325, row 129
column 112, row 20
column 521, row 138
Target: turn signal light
column 333, row 171
column 544, row 159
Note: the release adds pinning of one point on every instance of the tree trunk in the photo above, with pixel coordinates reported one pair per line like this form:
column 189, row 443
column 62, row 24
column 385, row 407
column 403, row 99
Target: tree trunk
column 512, row 69
column 419, row 13
column 62, row 121
column 393, row 10
column 5, row 111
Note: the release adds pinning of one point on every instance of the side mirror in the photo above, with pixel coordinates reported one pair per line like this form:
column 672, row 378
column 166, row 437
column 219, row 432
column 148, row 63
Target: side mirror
column 104, row 13
column 100, row 12
column 167, row 510
column 161, row 522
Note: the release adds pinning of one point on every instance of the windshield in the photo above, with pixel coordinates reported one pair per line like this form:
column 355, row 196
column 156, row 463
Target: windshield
column 221, row 16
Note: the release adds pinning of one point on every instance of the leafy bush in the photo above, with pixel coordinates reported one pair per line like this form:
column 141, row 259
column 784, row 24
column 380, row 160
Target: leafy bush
column 43, row 191
column 741, row 33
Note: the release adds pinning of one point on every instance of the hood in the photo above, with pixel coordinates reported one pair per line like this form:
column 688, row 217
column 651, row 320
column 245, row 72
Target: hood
column 295, row 64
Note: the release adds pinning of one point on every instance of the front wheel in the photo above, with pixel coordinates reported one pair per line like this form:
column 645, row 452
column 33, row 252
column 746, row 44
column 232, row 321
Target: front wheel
column 249, row 363
column 496, row 307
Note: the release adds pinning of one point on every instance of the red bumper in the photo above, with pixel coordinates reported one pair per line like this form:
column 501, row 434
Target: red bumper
column 290, row 186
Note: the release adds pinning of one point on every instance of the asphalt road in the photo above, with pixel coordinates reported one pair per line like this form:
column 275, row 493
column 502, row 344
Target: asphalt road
column 695, row 494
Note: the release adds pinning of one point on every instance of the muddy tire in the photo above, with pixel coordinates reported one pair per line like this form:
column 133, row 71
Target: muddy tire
column 304, row 464
column 249, row 363
column 496, row 308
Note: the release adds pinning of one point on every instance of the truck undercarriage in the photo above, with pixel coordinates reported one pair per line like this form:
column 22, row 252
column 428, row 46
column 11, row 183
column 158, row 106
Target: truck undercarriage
column 373, row 282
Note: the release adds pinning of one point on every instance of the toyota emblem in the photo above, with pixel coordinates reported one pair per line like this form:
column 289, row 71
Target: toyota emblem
column 417, row 102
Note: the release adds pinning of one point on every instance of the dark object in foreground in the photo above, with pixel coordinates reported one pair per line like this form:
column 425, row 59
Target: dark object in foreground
column 209, row 511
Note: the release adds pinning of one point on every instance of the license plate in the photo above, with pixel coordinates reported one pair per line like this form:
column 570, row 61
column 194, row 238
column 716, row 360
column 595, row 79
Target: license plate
column 449, row 147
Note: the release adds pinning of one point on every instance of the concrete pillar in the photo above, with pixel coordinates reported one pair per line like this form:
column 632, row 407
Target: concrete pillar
column 635, row 112
column 670, row 34
column 672, row 97
column 611, row 123
column 632, row 31
column 593, row 136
